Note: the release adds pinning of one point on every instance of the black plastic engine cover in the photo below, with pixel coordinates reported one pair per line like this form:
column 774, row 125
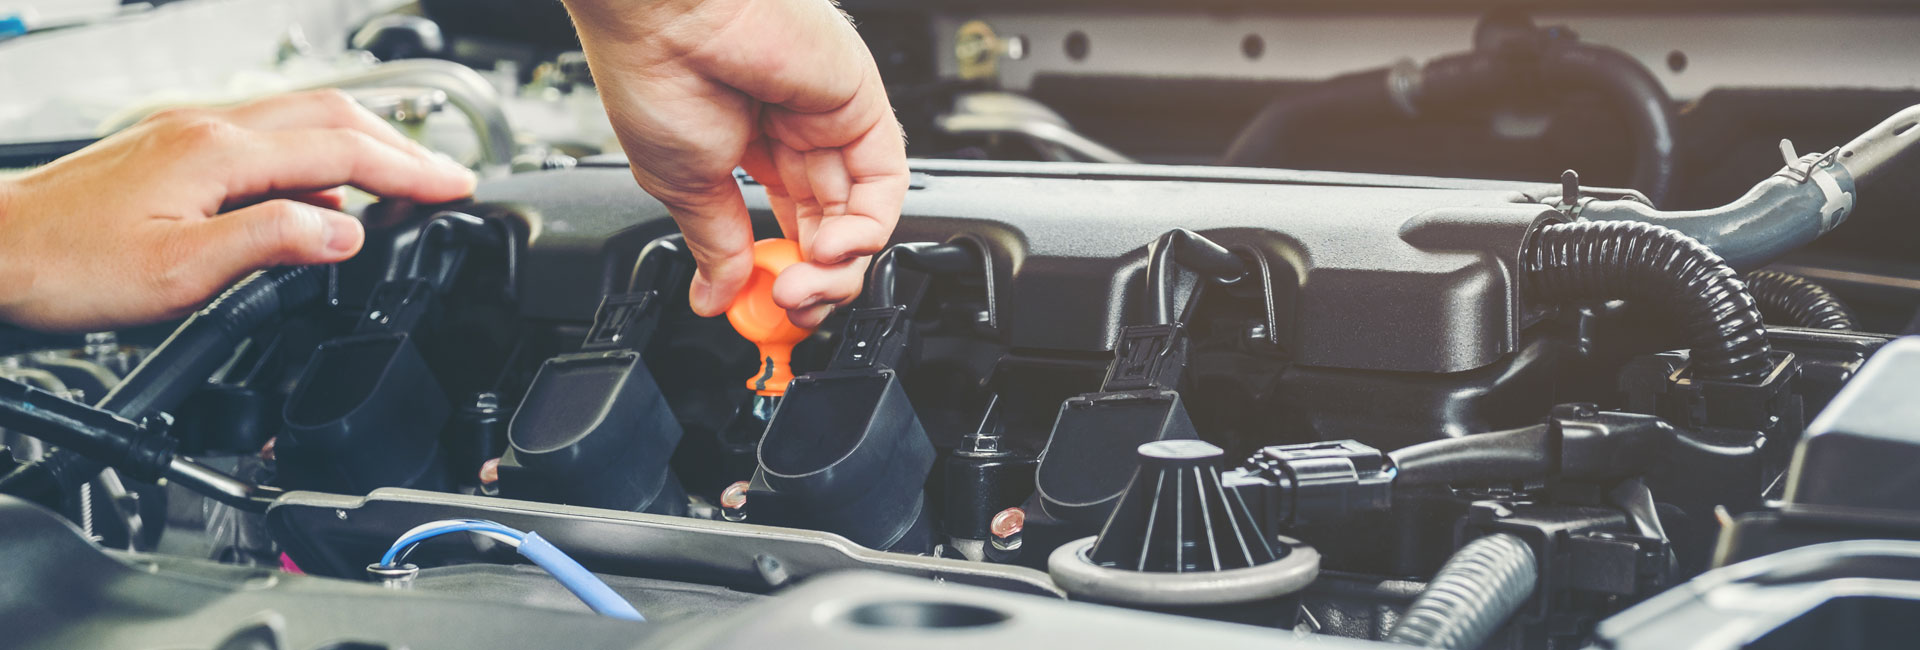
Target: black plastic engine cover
column 1369, row 272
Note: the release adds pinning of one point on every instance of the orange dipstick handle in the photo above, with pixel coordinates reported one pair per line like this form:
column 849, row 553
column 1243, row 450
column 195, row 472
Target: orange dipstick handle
column 755, row 317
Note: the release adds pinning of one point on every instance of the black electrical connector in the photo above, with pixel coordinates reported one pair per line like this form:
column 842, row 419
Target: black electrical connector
column 1294, row 485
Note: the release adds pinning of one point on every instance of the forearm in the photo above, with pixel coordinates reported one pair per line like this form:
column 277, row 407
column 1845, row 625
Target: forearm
column 16, row 279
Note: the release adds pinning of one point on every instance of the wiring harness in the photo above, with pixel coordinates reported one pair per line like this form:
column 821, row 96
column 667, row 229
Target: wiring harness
column 577, row 579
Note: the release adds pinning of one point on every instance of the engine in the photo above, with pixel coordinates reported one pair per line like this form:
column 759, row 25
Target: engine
column 1415, row 409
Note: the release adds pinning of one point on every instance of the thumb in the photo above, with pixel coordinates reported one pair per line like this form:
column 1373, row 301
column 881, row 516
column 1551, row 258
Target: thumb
column 280, row 232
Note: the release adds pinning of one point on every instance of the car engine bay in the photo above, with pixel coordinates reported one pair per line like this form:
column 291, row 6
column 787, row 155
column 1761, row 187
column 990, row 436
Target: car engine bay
column 1539, row 331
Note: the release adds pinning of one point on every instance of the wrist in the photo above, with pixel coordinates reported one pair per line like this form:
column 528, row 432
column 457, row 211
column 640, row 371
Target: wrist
column 631, row 22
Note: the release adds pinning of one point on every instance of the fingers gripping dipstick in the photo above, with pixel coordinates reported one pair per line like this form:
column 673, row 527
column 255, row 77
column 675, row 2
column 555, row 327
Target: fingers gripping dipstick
column 755, row 316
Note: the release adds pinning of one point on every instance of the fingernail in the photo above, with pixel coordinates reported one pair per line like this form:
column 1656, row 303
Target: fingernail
column 340, row 233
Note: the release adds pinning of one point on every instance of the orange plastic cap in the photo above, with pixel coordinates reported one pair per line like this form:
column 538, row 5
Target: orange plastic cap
column 758, row 319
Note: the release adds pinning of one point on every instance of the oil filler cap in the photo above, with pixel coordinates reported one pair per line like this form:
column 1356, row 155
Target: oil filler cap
column 755, row 316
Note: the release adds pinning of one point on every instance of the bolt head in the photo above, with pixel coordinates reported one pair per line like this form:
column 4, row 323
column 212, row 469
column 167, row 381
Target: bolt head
column 735, row 496
column 1007, row 523
column 490, row 471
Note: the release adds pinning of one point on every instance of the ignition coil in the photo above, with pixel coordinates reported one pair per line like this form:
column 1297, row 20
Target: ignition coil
column 845, row 452
column 594, row 429
column 1088, row 459
column 368, row 410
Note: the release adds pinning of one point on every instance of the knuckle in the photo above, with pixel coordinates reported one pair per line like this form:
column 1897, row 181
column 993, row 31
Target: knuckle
column 334, row 100
column 176, row 114
column 201, row 131
column 344, row 110
column 284, row 224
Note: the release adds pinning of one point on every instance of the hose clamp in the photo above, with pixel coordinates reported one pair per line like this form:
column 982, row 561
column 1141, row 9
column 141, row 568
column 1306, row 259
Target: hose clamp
column 1817, row 168
column 1838, row 203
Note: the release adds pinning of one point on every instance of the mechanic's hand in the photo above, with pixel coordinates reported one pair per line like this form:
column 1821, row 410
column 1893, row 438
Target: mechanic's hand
column 782, row 88
column 151, row 222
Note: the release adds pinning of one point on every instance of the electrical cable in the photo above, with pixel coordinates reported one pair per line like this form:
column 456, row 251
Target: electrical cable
column 577, row 579
column 427, row 531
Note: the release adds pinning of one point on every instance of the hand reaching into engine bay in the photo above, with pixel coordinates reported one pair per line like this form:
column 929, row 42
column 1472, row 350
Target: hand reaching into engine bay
column 151, row 222
column 784, row 89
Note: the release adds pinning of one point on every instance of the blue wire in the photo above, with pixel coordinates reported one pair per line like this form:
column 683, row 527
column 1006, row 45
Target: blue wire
column 459, row 527
column 577, row 579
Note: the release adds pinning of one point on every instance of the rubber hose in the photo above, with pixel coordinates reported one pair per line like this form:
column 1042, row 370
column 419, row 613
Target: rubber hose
column 1347, row 98
column 1789, row 299
column 186, row 359
column 1624, row 84
column 1642, row 262
column 1474, row 593
column 1632, row 91
column 1477, row 459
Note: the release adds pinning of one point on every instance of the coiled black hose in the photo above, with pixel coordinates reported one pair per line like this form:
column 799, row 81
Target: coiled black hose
column 1789, row 299
column 1474, row 593
column 179, row 366
column 1628, row 260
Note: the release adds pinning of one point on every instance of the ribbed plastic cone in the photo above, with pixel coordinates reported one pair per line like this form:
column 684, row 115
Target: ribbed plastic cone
column 1176, row 518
